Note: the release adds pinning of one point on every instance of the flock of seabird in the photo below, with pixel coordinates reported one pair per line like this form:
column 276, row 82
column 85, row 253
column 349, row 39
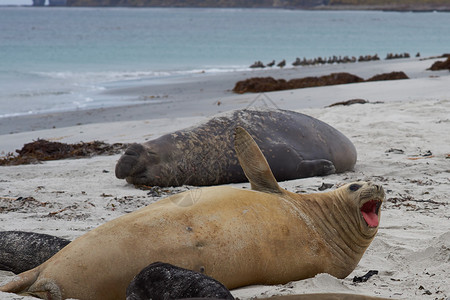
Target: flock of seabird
column 331, row 60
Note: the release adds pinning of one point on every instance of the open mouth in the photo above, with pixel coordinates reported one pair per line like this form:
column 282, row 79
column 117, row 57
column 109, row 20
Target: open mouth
column 369, row 211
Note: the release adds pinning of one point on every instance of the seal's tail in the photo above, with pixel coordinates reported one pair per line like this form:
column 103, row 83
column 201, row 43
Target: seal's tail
column 21, row 283
column 29, row 284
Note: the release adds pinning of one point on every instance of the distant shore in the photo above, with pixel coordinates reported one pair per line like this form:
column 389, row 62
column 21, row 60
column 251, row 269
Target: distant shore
column 394, row 6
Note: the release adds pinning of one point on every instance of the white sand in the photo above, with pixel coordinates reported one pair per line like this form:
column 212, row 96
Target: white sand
column 412, row 248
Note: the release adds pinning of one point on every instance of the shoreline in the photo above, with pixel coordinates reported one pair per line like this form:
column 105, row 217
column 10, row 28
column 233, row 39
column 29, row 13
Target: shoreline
column 206, row 94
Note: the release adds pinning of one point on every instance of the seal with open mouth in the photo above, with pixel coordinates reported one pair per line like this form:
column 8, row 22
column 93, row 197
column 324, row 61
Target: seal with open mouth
column 239, row 237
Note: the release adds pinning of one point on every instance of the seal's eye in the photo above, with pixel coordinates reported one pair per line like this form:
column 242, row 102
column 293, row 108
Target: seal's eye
column 354, row 187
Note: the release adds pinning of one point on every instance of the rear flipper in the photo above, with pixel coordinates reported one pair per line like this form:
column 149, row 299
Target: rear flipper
column 28, row 284
column 287, row 164
column 317, row 167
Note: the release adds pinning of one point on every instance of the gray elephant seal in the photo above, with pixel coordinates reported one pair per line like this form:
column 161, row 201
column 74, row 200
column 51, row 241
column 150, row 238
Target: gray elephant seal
column 239, row 237
column 165, row 281
column 21, row 251
column 294, row 144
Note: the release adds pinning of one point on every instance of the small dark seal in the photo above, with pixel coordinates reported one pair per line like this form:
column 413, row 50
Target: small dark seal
column 295, row 145
column 161, row 281
column 21, row 251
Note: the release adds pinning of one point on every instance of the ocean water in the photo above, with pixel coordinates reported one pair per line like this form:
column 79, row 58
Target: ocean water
column 55, row 59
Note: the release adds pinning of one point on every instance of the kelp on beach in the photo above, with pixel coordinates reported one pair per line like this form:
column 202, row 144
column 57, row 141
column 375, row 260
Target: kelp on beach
column 269, row 84
column 42, row 150
column 441, row 65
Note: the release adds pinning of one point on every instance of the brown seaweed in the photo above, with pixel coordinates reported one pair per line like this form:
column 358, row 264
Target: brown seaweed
column 440, row 65
column 269, row 84
column 43, row 150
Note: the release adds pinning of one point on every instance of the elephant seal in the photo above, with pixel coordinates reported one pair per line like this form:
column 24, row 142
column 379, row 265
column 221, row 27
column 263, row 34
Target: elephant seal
column 239, row 237
column 21, row 251
column 165, row 281
column 295, row 145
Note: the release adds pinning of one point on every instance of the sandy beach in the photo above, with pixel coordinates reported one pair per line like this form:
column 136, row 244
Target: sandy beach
column 401, row 137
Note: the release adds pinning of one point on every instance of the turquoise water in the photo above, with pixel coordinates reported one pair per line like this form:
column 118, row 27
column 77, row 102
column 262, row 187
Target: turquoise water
column 55, row 59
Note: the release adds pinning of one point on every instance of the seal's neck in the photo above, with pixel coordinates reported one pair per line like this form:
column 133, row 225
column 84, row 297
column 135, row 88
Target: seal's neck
column 339, row 225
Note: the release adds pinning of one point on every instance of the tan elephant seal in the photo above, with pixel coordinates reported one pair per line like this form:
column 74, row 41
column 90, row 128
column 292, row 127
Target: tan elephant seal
column 239, row 237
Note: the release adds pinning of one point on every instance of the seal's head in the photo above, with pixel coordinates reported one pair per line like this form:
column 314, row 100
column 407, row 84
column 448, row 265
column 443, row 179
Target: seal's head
column 137, row 164
column 367, row 198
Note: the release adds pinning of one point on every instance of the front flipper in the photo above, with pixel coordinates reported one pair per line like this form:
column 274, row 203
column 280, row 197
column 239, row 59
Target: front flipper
column 317, row 167
column 254, row 163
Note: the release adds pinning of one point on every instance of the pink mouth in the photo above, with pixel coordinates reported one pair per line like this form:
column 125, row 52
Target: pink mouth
column 370, row 212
